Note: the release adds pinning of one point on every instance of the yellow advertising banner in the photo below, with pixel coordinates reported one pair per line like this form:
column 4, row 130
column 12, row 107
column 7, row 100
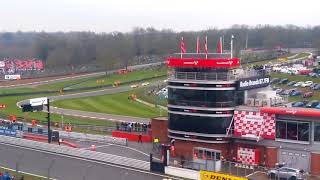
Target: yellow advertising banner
column 206, row 175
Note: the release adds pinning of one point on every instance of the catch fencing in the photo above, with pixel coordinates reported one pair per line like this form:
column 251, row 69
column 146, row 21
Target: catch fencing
column 92, row 137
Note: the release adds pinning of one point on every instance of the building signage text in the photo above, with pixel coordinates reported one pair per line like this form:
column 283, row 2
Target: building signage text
column 252, row 83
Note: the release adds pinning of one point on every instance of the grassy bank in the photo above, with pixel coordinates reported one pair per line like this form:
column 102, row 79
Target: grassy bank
column 118, row 104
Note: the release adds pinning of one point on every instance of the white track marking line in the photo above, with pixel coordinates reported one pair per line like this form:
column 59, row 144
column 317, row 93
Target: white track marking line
column 255, row 173
column 25, row 173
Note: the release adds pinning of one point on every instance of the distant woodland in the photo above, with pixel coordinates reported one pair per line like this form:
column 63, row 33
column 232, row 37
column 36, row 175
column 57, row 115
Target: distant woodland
column 106, row 49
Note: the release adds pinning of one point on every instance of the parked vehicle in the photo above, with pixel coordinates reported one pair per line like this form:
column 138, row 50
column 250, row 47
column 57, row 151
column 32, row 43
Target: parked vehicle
column 313, row 85
column 298, row 104
column 274, row 80
column 312, row 104
column 283, row 81
column 134, row 86
column 279, row 90
column 145, row 84
column 317, row 87
column 318, row 106
column 307, row 84
column 298, row 84
column 287, row 173
column 292, row 83
column 307, row 94
column 296, row 93
column 285, row 93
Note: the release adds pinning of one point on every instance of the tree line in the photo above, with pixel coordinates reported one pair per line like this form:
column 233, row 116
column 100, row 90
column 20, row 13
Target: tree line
column 107, row 49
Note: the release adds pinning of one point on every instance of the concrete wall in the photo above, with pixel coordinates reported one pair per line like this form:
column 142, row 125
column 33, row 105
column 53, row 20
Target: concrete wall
column 182, row 172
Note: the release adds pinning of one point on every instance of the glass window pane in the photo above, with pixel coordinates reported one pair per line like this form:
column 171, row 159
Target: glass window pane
column 292, row 130
column 317, row 132
column 218, row 156
column 303, row 131
column 281, row 129
column 209, row 157
column 200, row 155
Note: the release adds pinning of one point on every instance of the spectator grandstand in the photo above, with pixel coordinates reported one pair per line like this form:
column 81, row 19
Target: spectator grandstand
column 10, row 66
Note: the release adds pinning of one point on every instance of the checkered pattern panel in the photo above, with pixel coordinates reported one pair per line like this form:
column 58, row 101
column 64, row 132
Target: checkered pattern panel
column 258, row 125
column 246, row 156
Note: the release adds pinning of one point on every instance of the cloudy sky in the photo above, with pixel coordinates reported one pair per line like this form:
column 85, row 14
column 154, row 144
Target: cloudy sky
column 179, row 15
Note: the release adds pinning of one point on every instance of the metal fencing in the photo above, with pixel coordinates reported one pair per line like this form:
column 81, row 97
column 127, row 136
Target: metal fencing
column 92, row 137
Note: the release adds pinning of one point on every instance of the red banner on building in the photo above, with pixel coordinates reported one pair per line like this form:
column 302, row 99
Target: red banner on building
column 248, row 156
column 291, row 111
column 254, row 125
column 197, row 62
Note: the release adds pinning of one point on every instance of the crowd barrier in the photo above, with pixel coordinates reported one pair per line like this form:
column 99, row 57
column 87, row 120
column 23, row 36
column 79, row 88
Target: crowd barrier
column 92, row 137
column 77, row 152
column 131, row 136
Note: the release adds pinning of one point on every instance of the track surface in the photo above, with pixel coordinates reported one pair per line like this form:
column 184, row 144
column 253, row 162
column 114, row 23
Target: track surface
column 68, row 168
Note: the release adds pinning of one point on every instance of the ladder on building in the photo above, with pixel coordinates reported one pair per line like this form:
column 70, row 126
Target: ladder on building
column 229, row 129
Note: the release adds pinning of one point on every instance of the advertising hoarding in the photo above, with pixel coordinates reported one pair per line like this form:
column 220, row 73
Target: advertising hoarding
column 38, row 101
column 254, row 124
column 207, row 175
column 12, row 77
column 197, row 62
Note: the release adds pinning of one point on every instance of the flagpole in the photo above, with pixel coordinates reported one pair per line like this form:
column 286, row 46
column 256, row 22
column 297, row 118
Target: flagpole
column 231, row 48
column 221, row 49
column 206, row 47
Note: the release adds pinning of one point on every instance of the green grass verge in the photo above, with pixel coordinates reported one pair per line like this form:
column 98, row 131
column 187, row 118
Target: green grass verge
column 152, row 98
column 41, row 116
column 132, row 76
column 105, row 80
column 118, row 104
column 59, row 85
column 300, row 55
column 18, row 175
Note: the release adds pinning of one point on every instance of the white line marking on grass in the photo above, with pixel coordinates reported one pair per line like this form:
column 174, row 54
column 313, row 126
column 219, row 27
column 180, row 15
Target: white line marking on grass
column 25, row 173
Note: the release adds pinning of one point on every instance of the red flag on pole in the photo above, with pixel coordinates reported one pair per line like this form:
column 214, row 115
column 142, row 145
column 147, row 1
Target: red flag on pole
column 198, row 46
column 183, row 49
column 206, row 46
column 219, row 48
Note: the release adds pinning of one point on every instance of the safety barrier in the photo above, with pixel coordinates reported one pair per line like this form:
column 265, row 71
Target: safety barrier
column 92, row 137
column 182, row 172
column 76, row 152
column 45, row 139
column 7, row 132
column 131, row 136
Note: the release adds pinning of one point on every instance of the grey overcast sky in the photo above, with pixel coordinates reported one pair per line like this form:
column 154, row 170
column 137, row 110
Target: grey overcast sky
column 179, row 15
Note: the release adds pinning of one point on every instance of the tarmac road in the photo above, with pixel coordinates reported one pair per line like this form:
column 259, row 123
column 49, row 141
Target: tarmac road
column 68, row 168
column 61, row 79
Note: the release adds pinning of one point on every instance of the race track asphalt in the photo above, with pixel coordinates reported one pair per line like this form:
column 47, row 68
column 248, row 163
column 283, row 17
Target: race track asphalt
column 61, row 79
column 68, row 168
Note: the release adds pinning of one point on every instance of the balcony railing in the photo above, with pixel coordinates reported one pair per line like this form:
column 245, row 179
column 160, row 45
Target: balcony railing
column 214, row 76
column 202, row 103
